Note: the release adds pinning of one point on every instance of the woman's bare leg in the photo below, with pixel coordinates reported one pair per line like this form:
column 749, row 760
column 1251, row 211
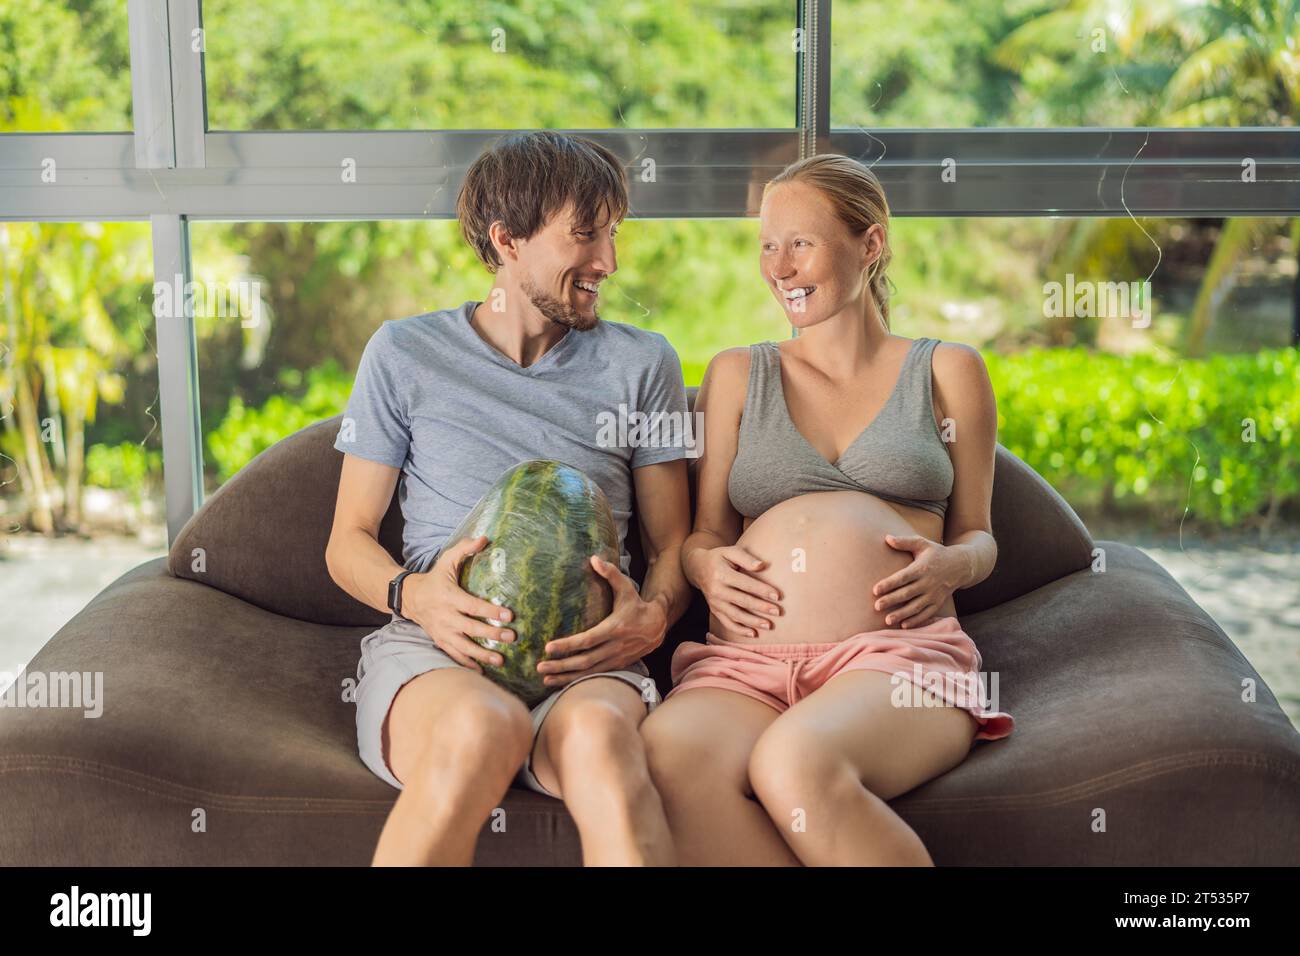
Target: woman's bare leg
column 589, row 752
column 698, row 746
column 455, row 742
column 824, row 769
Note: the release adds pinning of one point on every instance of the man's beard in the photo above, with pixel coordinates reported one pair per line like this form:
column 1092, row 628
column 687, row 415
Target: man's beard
column 561, row 313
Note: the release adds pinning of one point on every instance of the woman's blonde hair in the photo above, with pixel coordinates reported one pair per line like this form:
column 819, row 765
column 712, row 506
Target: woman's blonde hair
column 859, row 201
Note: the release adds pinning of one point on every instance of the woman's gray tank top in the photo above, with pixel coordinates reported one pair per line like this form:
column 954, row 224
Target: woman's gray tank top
column 901, row 456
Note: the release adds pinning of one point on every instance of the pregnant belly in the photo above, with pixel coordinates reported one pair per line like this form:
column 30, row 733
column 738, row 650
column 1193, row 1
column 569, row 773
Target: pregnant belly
column 825, row 552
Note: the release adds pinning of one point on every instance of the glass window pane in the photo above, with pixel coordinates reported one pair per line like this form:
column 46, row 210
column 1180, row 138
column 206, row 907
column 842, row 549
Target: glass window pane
column 64, row 66
column 391, row 64
column 81, row 494
column 953, row 63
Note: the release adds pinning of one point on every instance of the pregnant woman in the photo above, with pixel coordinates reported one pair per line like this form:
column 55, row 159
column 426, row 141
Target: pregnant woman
column 843, row 496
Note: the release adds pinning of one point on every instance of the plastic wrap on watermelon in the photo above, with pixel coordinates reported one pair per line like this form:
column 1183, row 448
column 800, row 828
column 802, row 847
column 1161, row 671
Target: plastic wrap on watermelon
column 543, row 520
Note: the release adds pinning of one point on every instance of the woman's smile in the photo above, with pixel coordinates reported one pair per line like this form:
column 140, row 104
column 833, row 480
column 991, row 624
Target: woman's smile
column 796, row 297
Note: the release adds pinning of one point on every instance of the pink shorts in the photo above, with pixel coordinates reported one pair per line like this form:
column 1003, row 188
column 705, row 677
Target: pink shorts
column 938, row 657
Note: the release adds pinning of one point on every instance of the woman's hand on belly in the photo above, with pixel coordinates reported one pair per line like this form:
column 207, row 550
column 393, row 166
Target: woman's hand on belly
column 914, row 595
column 825, row 552
column 740, row 602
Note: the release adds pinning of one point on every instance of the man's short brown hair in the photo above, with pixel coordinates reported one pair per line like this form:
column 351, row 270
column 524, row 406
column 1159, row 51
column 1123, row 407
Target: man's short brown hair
column 525, row 178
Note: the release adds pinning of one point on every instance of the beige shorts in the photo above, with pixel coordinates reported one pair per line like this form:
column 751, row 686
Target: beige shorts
column 401, row 651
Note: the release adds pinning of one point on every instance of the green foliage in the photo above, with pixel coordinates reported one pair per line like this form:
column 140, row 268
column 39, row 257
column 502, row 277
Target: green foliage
column 693, row 372
column 1152, row 435
column 245, row 431
column 126, row 466
column 889, row 66
column 493, row 64
column 1136, row 435
column 64, row 66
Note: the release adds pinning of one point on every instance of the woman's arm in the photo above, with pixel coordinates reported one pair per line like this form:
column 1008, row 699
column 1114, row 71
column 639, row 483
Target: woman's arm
column 968, row 552
column 720, row 400
column 711, row 559
column 962, row 383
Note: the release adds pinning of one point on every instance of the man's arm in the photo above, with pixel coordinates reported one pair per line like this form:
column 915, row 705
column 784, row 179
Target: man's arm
column 433, row 599
column 664, row 514
column 663, row 495
column 375, row 439
column 357, row 562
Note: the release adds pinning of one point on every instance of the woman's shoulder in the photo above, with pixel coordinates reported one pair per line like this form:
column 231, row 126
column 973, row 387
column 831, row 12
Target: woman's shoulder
column 726, row 380
column 957, row 358
column 731, row 364
column 961, row 378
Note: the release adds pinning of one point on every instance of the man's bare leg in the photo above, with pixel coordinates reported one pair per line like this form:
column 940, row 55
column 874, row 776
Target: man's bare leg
column 455, row 742
column 589, row 750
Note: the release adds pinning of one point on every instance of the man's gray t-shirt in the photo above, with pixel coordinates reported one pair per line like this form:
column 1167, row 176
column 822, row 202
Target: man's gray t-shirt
column 433, row 398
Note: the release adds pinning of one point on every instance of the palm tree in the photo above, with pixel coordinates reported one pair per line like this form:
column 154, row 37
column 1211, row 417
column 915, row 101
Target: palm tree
column 1246, row 72
column 21, row 439
column 62, row 351
column 1239, row 65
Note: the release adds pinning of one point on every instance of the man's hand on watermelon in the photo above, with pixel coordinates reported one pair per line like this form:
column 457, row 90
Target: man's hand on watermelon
column 449, row 615
column 633, row 629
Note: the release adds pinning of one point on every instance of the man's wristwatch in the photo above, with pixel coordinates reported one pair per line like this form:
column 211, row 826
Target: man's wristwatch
column 395, row 593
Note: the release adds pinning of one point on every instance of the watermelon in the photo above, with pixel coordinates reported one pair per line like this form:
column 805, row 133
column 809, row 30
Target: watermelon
column 543, row 520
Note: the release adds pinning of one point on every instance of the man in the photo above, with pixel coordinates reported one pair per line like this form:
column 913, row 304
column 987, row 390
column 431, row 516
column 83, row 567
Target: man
column 448, row 401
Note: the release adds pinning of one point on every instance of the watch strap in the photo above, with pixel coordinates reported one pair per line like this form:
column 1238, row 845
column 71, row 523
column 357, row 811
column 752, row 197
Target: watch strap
column 395, row 592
